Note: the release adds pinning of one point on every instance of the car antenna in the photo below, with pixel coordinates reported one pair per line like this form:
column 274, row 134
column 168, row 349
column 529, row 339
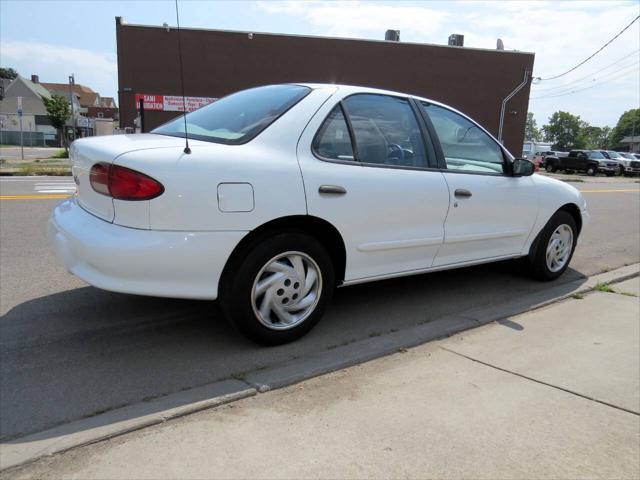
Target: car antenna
column 184, row 101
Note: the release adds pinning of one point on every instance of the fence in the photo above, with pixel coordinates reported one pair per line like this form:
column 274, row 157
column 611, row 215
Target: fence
column 29, row 139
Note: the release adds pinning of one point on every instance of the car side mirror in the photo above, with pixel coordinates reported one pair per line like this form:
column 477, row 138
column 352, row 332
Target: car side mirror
column 522, row 167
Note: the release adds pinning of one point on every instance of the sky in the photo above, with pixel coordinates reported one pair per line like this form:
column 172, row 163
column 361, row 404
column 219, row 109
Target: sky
column 56, row 38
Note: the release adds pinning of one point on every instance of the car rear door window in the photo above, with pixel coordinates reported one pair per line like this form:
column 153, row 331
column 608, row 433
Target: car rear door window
column 385, row 130
column 465, row 146
column 333, row 140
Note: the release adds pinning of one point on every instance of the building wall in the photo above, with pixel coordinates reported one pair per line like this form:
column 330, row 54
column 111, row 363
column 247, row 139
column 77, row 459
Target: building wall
column 103, row 126
column 217, row 63
column 94, row 112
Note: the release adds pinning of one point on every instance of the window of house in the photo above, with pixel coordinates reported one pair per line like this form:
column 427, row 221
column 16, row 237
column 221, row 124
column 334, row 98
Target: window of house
column 466, row 147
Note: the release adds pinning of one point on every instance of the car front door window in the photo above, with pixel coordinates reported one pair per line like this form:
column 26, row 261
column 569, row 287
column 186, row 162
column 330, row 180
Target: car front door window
column 465, row 146
column 385, row 131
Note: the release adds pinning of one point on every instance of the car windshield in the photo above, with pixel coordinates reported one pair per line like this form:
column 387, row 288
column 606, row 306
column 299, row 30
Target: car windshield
column 595, row 155
column 614, row 154
column 239, row 117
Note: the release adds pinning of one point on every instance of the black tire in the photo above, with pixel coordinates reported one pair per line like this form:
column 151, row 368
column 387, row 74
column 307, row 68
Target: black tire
column 537, row 261
column 236, row 290
column 610, row 174
column 592, row 170
column 550, row 167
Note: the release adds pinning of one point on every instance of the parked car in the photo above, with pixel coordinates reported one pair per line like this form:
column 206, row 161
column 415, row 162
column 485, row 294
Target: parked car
column 540, row 157
column 589, row 161
column 637, row 155
column 287, row 191
column 616, row 157
column 631, row 163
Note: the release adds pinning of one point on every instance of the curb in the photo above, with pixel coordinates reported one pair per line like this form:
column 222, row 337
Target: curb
column 135, row 417
column 120, row 421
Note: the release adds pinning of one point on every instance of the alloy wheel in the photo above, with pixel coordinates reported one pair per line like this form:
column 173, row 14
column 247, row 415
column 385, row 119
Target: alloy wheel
column 559, row 248
column 286, row 290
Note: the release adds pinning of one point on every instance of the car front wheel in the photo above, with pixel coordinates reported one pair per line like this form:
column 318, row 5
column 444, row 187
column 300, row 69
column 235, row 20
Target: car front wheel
column 279, row 289
column 591, row 171
column 554, row 247
column 550, row 167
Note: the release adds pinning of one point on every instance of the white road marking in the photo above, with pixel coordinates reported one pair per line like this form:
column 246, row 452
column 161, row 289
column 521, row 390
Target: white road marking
column 56, row 187
column 56, row 191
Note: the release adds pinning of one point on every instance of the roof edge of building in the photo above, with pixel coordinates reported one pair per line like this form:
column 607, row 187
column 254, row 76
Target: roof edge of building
column 124, row 24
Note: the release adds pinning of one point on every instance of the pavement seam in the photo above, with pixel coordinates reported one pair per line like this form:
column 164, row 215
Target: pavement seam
column 541, row 382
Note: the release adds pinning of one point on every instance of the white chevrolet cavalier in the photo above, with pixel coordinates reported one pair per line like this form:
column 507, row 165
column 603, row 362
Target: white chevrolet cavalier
column 291, row 190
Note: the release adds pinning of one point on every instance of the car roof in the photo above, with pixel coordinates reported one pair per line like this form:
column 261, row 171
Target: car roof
column 350, row 89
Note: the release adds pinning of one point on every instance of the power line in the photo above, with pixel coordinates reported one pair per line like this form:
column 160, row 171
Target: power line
column 569, row 88
column 616, row 75
column 594, row 53
column 619, row 74
column 562, row 87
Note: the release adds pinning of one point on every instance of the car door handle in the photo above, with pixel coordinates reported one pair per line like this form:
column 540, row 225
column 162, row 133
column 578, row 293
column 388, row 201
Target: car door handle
column 332, row 189
column 461, row 192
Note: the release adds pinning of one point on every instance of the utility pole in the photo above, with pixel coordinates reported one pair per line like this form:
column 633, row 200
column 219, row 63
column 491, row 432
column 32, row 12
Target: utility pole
column 72, row 81
column 19, row 100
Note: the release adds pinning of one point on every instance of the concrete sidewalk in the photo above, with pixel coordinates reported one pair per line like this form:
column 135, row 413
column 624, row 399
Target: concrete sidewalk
column 553, row 393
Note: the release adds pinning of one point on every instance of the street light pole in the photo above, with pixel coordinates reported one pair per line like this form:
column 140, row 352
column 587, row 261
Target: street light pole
column 72, row 81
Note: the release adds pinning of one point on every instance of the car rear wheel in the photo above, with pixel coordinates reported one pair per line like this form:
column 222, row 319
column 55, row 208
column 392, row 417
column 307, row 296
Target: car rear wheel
column 279, row 289
column 554, row 247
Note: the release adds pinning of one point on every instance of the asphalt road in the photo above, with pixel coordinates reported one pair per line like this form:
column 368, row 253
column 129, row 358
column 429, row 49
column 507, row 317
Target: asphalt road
column 68, row 350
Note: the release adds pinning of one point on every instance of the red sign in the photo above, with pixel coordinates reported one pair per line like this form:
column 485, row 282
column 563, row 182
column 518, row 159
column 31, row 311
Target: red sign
column 171, row 103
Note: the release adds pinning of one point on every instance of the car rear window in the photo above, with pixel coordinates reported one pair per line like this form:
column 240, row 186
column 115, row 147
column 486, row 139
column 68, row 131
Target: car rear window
column 239, row 117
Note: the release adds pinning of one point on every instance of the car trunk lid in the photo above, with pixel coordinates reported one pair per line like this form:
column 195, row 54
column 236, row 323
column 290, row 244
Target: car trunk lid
column 85, row 153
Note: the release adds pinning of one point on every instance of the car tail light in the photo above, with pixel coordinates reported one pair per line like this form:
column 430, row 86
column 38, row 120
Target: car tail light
column 123, row 183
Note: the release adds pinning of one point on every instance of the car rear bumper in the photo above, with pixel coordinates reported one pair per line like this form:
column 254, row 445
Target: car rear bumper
column 143, row 262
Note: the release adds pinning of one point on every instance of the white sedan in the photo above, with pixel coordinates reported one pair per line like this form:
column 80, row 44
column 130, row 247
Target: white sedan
column 287, row 191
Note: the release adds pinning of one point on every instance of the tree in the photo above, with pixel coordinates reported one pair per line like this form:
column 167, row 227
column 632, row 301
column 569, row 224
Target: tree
column 596, row 138
column 58, row 112
column 9, row 73
column 628, row 125
column 531, row 130
column 565, row 131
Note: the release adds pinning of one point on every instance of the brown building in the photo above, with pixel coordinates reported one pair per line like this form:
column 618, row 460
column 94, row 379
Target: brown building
column 217, row 63
column 103, row 112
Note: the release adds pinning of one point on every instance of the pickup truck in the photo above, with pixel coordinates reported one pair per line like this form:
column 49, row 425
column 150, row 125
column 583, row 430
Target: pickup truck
column 630, row 163
column 589, row 161
column 539, row 157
